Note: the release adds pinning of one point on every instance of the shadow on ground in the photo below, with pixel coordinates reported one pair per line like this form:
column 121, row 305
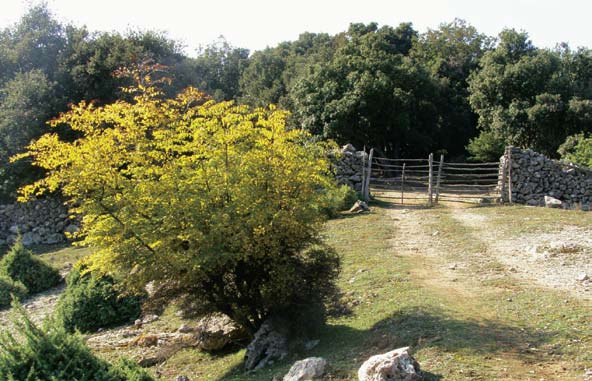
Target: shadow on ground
column 346, row 348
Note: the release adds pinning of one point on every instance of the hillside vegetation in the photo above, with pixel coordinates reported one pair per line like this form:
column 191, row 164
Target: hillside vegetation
column 452, row 89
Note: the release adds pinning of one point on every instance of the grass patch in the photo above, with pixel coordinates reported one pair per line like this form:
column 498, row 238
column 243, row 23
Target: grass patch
column 460, row 326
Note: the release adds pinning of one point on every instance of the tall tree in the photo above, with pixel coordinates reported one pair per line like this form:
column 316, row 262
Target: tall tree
column 371, row 93
column 271, row 73
column 216, row 70
column 451, row 53
column 530, row 97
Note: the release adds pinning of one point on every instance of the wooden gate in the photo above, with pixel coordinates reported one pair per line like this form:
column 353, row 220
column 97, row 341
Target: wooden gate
column 425, row 181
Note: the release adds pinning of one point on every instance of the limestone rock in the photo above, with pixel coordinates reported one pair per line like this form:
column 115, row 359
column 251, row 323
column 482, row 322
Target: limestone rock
column 71, row 229
column 552, row 202
column 359, row 206
column 312, row 368
column 395, row 365
column 184, row 328
column 31, row 238
column 348, row 148
column 216, row 331
column 269, row 344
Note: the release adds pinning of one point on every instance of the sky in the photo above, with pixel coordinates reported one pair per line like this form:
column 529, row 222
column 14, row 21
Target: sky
column 255, row 24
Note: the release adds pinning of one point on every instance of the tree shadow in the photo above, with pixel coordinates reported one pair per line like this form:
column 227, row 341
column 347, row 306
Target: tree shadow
column 346, row 348
column 384, row 204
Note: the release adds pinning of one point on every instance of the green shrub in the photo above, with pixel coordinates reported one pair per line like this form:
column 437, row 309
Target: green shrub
column 9, row 287
column 488, row 146
column 340, row 199
column 577, row 149
column 92, row 301
column 294, row 290
column 21, row 265
column 50, row 353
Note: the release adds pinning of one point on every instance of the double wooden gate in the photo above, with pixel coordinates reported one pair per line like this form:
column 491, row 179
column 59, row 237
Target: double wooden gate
column 428, row 181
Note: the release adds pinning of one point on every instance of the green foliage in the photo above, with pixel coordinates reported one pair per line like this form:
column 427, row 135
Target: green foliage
column 22, row 265
column 190, row 192
column 9, row 288
column 45, row 65
column 270, row 74
column 370, row 93
column 577, row 149
column 451, row 53
column 91, row 301
column 532, row 97
column 51, row 353
column 486, row 147
column 340, row 199
column 216, row 70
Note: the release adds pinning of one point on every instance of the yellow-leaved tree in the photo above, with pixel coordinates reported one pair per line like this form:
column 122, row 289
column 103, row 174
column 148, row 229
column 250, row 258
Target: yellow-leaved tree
column 215, row 202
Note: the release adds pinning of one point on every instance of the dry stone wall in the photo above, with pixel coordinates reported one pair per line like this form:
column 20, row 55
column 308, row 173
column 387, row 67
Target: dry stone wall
column 534, row 176
column 38, row 222
column 349, row 166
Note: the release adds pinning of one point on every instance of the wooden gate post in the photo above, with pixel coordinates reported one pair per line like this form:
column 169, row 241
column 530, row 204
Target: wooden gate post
column 402, row 183
column 430, row 178
column 439, row 177
column 368, row 175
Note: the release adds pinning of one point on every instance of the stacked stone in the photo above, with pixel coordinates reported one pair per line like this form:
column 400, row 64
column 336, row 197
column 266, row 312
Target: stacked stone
column 535, row 176
column 349, row 167
column 38, row 222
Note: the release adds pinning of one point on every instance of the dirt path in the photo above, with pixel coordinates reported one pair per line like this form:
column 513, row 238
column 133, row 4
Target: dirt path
column 471, row 264
column 559, row 259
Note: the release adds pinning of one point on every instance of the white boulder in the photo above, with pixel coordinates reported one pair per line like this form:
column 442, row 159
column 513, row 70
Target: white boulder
column 395, row 365
column 310, row 369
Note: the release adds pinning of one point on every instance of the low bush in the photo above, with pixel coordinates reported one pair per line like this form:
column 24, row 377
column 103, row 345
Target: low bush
column 51, row 353
column 9, row 287
column 91, row 301
column 340, row 199
column 22, row 265
column 294, row 289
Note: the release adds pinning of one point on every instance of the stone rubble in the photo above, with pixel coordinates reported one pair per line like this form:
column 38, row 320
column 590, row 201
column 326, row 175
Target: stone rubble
column 538, row 180
column 42, row 221
column 349, row 166
column 269, row 344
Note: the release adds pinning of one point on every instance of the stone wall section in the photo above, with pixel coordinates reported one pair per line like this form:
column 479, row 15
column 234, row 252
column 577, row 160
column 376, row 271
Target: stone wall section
column 535, row 176
column 39, row 222
column 349, row 166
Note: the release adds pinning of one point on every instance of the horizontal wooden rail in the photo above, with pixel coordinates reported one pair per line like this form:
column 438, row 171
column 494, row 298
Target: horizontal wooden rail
column 398, row 166
column 469, row 175
column 474, row 181
column 453, row 186
column 471, row 164
column 471, row 169
column 400, row 160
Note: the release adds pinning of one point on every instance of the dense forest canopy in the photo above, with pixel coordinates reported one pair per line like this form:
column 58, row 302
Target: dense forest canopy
column 452, row 89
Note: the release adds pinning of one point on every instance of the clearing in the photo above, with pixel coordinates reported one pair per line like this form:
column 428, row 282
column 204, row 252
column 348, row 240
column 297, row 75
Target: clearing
column 481, row 293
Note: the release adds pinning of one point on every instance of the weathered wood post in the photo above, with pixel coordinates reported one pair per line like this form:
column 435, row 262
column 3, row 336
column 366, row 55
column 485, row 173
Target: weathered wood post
column 430, row 178
column 368, row 175
column 402, row 183
column 439, row 177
